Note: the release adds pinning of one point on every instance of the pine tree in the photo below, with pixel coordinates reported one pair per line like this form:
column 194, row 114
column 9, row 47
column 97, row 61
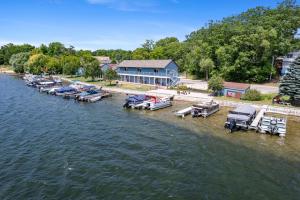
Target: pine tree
column 290, row 83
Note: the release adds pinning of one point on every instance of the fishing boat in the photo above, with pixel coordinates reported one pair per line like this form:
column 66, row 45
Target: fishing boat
column 133, row 100
column 240, row 118
column 205, row 109
column 273, row 126
column 156, row 103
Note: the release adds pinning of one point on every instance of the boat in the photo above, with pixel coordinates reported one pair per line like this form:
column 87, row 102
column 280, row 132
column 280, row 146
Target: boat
column 81, row 96
column 62, row 90
column 273, row 126
column 186, row 111
column 240, row 118
column 156, row 103
column 205, row 109
column 133, row 100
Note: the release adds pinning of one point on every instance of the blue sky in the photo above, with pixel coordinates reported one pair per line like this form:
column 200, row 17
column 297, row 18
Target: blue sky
column 110, row 24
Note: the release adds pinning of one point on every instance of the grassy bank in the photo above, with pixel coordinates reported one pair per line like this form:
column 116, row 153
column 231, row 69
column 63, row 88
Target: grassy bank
column 120, row 85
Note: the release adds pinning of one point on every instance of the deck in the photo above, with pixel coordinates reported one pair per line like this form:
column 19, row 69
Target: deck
column 182, row 113
column 257, row 119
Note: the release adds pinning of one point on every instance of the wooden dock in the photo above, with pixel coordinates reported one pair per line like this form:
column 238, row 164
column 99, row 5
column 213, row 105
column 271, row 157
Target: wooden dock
column 257, row 119
column 182, row 113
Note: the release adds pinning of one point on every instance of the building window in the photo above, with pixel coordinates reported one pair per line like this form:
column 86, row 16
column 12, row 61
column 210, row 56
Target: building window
column 139, row 70
column 125, row 69
column 155, row 70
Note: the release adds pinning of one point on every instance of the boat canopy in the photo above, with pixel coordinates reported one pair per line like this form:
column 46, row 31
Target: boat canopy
column 244, row 110
column 238, row 117
column 135, row 98
column 65, row 89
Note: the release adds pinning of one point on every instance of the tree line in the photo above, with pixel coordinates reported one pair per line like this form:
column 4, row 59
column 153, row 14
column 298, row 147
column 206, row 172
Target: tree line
column 239, row 48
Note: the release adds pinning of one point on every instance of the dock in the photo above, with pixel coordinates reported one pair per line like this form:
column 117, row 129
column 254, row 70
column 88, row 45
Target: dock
column 182, row 113
column 257, row 119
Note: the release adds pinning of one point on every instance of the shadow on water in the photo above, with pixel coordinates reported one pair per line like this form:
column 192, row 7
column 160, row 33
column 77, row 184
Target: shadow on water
column 53, row 148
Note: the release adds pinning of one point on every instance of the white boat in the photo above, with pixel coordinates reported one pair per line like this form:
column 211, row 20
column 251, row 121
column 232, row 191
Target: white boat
column 273, row 125
column 156, row 103
column 186, row 111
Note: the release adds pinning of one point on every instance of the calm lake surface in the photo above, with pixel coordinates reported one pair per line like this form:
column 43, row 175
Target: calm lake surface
column 52, row 148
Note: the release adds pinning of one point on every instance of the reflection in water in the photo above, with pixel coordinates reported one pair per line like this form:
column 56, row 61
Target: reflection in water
column 53, row 148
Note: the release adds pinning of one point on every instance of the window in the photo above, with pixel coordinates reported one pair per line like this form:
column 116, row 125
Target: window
column 139, row 70
column 125, row 68
column 156, row 70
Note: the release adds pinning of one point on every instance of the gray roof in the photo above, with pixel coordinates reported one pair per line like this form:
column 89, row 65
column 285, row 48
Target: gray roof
column 245, row 109
column 145, row 63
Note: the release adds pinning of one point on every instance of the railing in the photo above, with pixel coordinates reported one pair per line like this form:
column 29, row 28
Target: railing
column 145, row 73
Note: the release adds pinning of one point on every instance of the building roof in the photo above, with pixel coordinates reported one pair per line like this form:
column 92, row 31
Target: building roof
column 239, row 86
column 145, row 63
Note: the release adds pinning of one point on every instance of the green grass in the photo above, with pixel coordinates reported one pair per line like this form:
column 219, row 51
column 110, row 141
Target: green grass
column 100, row 82
column 267, row 100
column 138, row 87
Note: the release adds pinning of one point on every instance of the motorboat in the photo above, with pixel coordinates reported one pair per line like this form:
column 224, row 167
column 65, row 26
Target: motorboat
column 156, row 103
column 133, row 100
column 240, row 118
column 62, row 90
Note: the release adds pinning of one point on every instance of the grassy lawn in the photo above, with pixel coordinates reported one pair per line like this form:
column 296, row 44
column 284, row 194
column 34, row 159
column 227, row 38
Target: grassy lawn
column 138, row 87
column 266, row 101
column 100, row 82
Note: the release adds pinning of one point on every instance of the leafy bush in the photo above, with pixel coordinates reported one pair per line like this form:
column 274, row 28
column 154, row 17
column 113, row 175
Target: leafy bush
column 182, row 88
column 252, row 95
column 215, row 83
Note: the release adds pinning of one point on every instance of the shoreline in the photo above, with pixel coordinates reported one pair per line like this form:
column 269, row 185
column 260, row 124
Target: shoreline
column 196, row 98
column 193, row 97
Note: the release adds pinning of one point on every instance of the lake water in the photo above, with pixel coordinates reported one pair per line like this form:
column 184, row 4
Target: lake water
column 52, row 148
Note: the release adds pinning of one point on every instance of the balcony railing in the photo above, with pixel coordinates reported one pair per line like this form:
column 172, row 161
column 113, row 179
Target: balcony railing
column 146, row 73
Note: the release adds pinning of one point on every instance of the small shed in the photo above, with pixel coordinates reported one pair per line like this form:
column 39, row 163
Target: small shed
column 235, row 90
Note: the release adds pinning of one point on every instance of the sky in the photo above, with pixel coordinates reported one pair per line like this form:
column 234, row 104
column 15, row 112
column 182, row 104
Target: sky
column 111, row 24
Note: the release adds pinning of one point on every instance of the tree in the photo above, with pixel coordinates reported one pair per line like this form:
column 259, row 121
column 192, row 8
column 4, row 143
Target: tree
column 148, row 45
column 215, row 83
column 290, row 83
column 56, row 49
column 18, row 61
column 37, row 64
column 91, row 67
column 54, row 66
column 70, row 64
column 140, row 54
column 6, row 51
column 111, row 75
column 206, row 65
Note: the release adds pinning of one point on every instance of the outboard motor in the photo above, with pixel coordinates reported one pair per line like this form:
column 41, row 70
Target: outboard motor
column 126, row 104
column 194, row 113
column 232, row 125
column 273, row 127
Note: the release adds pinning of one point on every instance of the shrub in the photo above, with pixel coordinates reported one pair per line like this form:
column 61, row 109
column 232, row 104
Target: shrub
column 215, row 83
column 182, row 88
column 252, row 95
